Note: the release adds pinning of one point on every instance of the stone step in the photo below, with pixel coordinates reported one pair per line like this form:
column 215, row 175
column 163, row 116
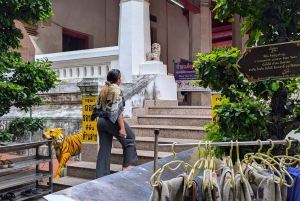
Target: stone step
column 143, row 156
column 147, row 143
column 66, row 182
column 181, row 110
column 87, row 170
column 165, row 131
column 174, row 120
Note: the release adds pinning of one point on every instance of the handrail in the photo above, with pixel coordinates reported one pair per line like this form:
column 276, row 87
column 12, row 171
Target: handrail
column 21, row 146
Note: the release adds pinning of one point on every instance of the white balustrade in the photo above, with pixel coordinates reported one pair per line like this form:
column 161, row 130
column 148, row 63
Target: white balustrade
column 90, row 63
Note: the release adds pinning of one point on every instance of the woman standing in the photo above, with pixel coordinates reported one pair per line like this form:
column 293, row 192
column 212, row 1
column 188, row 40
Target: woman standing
column 109, row 106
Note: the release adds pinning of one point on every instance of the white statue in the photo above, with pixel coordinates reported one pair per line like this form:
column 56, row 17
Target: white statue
column 155, row 54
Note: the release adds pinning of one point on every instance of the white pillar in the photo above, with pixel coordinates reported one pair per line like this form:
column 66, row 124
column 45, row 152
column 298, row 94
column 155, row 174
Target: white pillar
column 134, row 36
column 194, row 33
column 200, row 30
column 237, row 40
column 104, row 70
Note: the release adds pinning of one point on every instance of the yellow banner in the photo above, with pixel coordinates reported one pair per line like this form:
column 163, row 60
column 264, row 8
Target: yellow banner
column 89, row 128
column 215, row 100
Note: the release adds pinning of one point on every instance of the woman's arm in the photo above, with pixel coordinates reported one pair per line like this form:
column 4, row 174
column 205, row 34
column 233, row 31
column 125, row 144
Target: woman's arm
column 122, row 131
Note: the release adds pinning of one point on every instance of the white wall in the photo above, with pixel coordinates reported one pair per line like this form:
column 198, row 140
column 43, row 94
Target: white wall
column 172, row 32
column 97, row 18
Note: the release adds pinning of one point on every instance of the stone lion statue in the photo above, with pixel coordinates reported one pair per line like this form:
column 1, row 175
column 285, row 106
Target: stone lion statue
column 65, row 146
column 154, row 55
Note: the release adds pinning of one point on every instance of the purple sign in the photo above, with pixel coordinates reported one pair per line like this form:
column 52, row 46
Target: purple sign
column 184, row 71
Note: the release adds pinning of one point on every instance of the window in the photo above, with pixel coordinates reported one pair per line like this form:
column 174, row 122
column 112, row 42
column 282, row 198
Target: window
column 153, row 18
column 74, row 40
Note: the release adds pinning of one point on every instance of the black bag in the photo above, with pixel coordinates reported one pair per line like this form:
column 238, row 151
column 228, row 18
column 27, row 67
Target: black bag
column 96, row 113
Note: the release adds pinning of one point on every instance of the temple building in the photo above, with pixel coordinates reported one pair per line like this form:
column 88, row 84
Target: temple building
column 85, row 39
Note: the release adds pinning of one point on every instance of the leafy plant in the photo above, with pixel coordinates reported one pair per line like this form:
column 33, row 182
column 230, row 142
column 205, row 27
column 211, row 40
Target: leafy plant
column 21, row 81
column 278, row 112
column 218, row 70
column 267, row 21
column 244, row 120
column 5, row 136
column 26, row 11
column 20, row 127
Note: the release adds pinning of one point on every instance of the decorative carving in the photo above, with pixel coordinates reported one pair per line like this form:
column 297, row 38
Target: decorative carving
column 154, row 55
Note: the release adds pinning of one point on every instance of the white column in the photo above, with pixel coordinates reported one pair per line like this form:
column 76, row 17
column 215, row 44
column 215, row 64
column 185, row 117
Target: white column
column 206, row 26
column 237, row 40
column 74, row 72
column 61, row 73
column 81, row 72
column 194, row 33
column 134, row 36
column 97, row 71
column 104, row 71
column 68, row 73
column 200, row 30
column 88, row 71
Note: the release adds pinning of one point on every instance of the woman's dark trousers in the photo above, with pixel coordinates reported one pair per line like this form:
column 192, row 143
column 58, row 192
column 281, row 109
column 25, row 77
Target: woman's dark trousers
column 107, row 130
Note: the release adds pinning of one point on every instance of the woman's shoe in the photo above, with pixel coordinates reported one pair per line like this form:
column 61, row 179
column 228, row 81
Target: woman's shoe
column 9, row 163
column 3, row 164
column 127, row 168
column 10, row 196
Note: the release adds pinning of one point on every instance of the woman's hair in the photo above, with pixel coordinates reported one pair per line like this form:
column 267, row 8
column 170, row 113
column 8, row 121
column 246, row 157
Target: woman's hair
column 112, row 77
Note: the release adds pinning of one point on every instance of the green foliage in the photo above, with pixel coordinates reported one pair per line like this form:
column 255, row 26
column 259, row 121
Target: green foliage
column 26, row 11
column 268, row 21
column 218, row 70
column 20, row 82
column 256, row 110
column 5, row 136
column 243, row 120
column 22, row 126
column 20, row 88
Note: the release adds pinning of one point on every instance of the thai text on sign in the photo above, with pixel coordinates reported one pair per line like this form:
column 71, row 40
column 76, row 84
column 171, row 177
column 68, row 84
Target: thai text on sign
column 184, row 74
column 277, row 61
column 89, row 128
column 215, row 100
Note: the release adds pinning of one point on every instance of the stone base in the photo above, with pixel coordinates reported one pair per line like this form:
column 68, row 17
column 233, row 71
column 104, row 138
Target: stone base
column 89, row 152
column 153, row 67
column 199, row 98
column 165, row 88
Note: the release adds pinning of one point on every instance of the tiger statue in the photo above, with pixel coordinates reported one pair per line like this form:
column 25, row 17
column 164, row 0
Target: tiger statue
column 65, row 146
